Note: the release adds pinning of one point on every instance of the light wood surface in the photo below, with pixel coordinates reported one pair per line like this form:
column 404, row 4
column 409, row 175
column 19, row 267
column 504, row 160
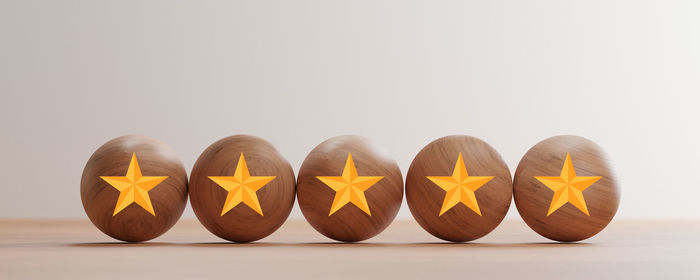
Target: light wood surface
column 76, row 249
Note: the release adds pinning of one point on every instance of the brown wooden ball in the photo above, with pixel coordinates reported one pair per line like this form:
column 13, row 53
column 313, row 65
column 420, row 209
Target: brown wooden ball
column 233, row 214
column 564, row 206
column 376, row 173
column 147, row 205
column 433, row 187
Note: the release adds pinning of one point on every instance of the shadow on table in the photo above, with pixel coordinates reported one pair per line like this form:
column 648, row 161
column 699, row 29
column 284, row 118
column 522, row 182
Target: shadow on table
column 497, row 245
column 278, row 244
column 385, row 245
column 224, row 244
column 119, row 244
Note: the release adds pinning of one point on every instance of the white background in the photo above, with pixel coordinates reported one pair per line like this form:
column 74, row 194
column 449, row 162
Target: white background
column 74, row 74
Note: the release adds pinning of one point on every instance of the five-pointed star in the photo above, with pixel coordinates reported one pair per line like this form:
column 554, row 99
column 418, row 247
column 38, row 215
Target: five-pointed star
column 349, row 187
column 241, row 187
column 460, row 187
column 568, row 187
column 134, row 187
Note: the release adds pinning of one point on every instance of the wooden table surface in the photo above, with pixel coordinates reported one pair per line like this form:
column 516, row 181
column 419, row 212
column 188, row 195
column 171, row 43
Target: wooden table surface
column 76, row 249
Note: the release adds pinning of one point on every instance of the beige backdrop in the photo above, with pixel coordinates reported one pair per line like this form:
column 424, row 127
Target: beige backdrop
column 74, row 74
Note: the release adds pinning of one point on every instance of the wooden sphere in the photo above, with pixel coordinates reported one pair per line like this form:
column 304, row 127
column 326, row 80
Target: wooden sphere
column 349, row 189
column 134, row 206
column 562, row 203
column 235, row 206
column 450, row 205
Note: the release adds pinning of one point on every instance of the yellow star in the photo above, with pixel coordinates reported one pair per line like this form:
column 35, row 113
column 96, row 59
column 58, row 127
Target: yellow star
column 349, row 187
column 460, row 187
column 134, row 187
column 568, row 187
column 241, row 187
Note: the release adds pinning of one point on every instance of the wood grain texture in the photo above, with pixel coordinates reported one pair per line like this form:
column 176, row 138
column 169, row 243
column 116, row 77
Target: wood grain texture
column 133, row 223
column 242, row 223
column 533, row 199
column 349, row 224
column 425, row 198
